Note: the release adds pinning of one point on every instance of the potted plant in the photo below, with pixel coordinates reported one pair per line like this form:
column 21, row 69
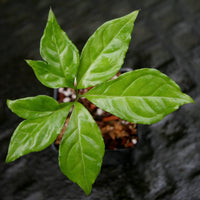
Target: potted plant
column 120, row 136
column 142, row 96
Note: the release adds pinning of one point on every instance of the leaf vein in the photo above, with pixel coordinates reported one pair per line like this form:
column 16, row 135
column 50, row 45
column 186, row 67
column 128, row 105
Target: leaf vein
column 79, row 137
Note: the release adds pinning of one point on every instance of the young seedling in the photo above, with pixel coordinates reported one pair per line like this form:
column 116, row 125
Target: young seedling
column 142, row 96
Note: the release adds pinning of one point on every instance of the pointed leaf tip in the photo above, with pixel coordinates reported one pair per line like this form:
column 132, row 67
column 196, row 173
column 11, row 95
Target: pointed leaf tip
column 51, row 15
column 134, row 14
column 27, row 61
column 8, row 102
column 7, row 159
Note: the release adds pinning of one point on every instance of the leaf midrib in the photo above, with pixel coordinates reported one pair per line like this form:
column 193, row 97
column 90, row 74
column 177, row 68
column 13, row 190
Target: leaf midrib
column 57, row 50
column 45, row 113
column 52, row 112
column 137, row 97
column 79, row 138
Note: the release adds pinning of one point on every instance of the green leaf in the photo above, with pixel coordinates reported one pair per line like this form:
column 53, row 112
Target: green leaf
column 82, row 149
column 36, row 134
column 60, row 54
column 104, row 52
column 142, row 96
column 47, row 75
column 33, row 107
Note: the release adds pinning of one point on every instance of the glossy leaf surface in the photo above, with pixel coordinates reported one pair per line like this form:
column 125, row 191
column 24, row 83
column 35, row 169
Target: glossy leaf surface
column 104, row 52
column 36, row 134
column 47, row 75
column 60, row 55
column 142, row 96
column 33, row 107
column 82, row 149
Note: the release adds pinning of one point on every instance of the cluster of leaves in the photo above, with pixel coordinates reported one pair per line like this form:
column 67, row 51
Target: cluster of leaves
column 142, row 96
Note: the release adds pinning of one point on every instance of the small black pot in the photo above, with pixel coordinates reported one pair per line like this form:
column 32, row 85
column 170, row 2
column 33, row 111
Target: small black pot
column 111, row 157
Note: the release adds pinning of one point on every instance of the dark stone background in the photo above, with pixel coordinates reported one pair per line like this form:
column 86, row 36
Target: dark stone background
column 166, row 162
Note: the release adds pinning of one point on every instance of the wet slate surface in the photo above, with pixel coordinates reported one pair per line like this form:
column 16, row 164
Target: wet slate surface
column 166, row 163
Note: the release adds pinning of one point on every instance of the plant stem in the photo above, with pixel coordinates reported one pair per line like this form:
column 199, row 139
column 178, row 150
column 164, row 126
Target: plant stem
column 77, row 94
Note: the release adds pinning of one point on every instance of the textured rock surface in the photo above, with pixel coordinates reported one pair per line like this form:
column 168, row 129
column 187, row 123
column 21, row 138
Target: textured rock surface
column 166, row 163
